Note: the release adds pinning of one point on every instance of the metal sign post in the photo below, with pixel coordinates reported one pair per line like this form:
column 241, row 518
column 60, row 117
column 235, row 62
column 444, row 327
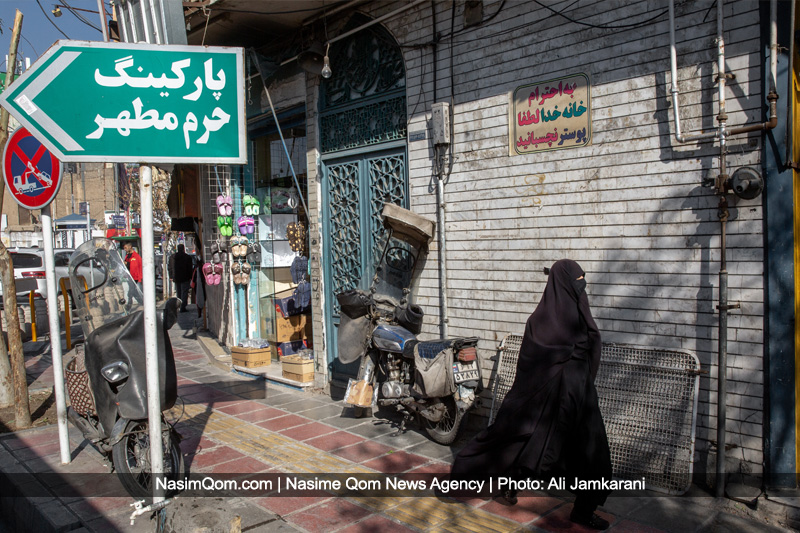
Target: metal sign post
column 55, row 336
column 150, row 334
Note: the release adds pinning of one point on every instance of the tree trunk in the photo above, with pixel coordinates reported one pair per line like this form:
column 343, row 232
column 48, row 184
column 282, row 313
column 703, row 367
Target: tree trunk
column 22, row 412
column 16, row 371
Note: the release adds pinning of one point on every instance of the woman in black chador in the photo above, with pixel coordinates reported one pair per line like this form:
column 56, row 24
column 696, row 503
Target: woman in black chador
column 549, row 422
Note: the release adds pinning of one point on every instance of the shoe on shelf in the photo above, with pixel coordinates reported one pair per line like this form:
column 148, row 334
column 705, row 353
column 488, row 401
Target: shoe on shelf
column 593, row 521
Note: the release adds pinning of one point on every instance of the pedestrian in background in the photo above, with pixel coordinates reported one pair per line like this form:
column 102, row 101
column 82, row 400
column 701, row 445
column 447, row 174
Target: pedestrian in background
column 134, row 263
column 182, row 268
column 549, row 422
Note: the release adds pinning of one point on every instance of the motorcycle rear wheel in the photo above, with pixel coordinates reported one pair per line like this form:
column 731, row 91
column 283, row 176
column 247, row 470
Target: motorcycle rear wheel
column 131, row 458
column 446, row 429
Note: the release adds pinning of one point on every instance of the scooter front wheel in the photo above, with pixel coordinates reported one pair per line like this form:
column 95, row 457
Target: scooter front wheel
column 131, row 458
column 446, row 429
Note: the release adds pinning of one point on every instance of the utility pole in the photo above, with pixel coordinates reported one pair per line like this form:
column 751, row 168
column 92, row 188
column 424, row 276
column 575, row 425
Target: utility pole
column 16, row 371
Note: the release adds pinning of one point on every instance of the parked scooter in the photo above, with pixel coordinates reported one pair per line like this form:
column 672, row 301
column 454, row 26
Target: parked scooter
column 435, row 380
column 106, row 376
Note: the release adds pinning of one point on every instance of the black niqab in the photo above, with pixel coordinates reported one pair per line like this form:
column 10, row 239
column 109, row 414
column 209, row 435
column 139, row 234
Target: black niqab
column 549, row 422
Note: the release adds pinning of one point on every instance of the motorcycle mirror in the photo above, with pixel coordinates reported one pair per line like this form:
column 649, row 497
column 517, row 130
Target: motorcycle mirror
column 115, row 372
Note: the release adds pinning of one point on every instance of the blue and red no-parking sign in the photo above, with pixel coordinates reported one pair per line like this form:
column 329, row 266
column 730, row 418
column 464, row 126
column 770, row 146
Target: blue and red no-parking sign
column 32, row 174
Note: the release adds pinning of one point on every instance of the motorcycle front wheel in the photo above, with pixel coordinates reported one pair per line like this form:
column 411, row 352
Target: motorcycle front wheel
column 131, row 458
column 446, row 429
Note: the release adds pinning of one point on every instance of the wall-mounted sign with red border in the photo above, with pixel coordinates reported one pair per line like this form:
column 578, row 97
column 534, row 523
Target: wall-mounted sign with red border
column 32, row 174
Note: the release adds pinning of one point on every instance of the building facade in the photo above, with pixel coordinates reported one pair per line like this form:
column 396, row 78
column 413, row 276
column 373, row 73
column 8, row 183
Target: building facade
column 558, row 138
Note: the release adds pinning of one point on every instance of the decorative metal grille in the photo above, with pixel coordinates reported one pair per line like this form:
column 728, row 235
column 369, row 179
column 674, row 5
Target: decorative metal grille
column 387, row 180
column 364, row 126
column 369, row 63
column 345, row 224
column 648, row 398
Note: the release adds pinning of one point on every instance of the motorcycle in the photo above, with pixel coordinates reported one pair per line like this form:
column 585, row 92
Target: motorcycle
column 435, row 381
column 106, row 375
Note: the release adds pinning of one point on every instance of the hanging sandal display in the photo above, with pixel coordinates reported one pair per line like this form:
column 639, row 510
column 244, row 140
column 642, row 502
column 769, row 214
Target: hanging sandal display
column 296, row 233
column 254, row 253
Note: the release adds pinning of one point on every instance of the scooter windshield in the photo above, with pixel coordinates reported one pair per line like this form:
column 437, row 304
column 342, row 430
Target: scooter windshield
column 395, row 272
column 101, row 285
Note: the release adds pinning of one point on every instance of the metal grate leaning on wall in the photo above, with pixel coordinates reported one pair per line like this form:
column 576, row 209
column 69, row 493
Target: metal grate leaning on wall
column 648, row 398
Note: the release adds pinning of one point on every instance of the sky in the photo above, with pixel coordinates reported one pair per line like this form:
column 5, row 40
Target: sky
column 39, row 30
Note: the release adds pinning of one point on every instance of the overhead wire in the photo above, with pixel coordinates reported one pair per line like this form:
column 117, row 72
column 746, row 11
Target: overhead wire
column 79, row 16
column 50, row 21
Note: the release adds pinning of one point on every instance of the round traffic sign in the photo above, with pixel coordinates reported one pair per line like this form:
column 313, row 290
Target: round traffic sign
column 32, row 174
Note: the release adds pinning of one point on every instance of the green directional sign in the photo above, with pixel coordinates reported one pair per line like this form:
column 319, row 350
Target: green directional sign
column 134, row 103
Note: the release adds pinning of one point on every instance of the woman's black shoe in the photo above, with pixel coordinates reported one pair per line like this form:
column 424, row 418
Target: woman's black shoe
column 508, row 497
column 593, row 520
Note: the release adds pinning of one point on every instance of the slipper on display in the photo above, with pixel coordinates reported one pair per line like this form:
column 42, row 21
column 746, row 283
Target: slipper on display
column 225, row 228
column 220, row 205
column 217, row 276
column 250, row 225
column 236, row 270
column 208, row 272
column 228, row 203
column 251, row 205
column 254, row 253
column 215, row 258
column 242, row 223
column 245, row 278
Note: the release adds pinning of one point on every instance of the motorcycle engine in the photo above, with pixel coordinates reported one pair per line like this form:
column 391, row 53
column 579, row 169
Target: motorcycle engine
column 394, row 389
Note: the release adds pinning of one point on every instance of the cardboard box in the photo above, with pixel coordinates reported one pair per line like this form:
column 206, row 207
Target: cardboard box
column 298, row 369
column 293, row 328
column 251, row 357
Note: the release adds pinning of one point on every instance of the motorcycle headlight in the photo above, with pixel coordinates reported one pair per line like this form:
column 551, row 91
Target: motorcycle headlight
column 115, row 372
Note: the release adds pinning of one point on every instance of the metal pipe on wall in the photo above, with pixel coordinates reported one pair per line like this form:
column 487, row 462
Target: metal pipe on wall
column 721, row 185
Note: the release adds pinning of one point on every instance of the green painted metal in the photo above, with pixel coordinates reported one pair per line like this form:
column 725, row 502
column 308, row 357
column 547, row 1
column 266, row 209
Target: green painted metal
column 114, row 102
column 362, row 138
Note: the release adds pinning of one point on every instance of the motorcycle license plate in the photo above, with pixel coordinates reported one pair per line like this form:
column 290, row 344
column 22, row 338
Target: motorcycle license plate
column 465, row 371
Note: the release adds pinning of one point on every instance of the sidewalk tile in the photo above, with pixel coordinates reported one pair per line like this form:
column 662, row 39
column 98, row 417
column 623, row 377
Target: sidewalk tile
column 261, row 415
column 328, row 516
column 244, row 406
column 628, row 526
column 528, row 509
column 395, row 462
column 374, row 524
column 307, row 431
column 558, row 521
column 283, row 422
column 432, row 468
column 207, row 459
column 243, row 465
column 335, row 441
column 363, row 451
column 91, row 508
column 286, row 505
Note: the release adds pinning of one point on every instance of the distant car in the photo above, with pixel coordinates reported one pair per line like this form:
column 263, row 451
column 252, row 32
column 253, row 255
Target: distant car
column 29, row 270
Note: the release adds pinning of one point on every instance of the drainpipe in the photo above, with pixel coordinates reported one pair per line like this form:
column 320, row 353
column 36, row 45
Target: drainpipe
column 721, row 186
